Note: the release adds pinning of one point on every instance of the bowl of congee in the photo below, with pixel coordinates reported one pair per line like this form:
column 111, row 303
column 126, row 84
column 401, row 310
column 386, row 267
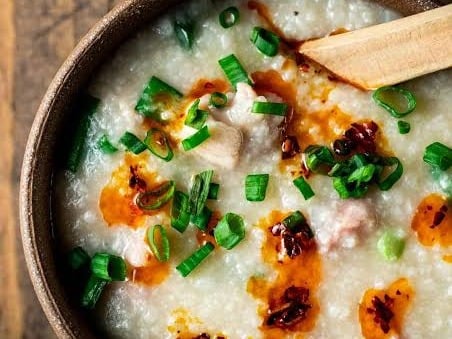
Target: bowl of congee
column 190, row 175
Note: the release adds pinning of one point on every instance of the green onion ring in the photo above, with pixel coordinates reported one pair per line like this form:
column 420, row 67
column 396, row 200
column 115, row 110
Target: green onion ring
column 218, row 100
column 229, row 17
column 409, row 97
column 157, row 142
column 162, row 252
column 156, row 198
column 392, row 178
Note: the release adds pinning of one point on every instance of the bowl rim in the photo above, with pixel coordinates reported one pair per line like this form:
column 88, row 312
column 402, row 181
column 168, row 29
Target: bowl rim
column 63, row 327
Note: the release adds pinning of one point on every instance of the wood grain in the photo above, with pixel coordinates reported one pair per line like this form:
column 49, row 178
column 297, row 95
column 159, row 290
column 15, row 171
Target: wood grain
column 11, row 310
column 35, row 38
column 388, row 53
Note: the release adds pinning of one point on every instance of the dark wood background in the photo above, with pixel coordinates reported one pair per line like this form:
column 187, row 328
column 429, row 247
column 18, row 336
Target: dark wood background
column 35, row 38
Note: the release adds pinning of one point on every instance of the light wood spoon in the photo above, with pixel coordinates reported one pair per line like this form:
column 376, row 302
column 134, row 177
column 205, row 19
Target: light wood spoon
column 388, row 53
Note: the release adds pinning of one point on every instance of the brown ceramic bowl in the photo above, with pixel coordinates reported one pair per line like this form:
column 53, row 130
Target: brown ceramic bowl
column 40, row 156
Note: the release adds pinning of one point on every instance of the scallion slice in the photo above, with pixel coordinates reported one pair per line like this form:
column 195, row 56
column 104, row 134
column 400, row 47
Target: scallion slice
column 317, row 157
column 196, row 117
column 392, row 178
column 196, row 139
column 347, row 190
column 213, row 191
column 108, row 267
column 397, row 101
column 273, row 108
column 157, row 97
column 157, row 197
column 92, row 292
column 403, row 126
column 234, row 71
column 199, row 192
column 202, row 220
column 294, row 220
column 218, row 100
column 229, row 17
column 78, row 258
column 157, row 142
column 438, row 155
column 105, row 145
column 229, row 231
column 159, row 242
column 184, row 32
column 86, row 109
column 180, row 217
column 304, row 188
column 265, row 41
column 132, row 143
column 362, row 174
column 256, row 186
column 188, row 265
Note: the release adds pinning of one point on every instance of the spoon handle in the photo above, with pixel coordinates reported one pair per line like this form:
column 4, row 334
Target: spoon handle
column 388, row 53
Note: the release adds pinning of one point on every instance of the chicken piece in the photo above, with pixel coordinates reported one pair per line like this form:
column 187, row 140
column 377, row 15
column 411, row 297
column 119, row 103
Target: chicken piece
column 347, row 223
column 223, row 146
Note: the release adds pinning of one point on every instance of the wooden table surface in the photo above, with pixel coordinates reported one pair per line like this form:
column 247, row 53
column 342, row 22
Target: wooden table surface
column 35, row 38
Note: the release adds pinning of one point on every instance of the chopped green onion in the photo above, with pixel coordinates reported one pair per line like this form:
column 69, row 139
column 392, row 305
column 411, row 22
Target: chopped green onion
column 390, row 97
column 196, row 139
column 403, row 126
column 132, row 143
column 444, row 179
column 86, row 109
column 317, row 157
column 196, row 118
column 106, row 146
column 229, row 231
column 201, row 220
column 229, row 17
column 218, row 100
column 346, row 190
column 159, row 242
column 180, row 217
column 108, row 267
column 304, row 188
column 390, row 245
column 188, row 265
column 157, row 142
column 392, row 178
column 256, row 186
column 438, row 155
column 92, row 292
column 213, row 191
column 274, row 108
column 199, row 192
column 184, row 32
column 78, row 258
column 157, row 197
column 234, row 71
column 294, row 220
column 362, row 174
column 157, row 97
column 265, row 41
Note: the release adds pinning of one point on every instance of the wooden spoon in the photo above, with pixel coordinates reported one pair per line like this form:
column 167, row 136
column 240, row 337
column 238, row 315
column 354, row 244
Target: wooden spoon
column 388, row 53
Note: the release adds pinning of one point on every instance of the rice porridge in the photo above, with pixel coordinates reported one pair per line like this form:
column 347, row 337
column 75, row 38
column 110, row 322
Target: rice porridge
column 253, row 195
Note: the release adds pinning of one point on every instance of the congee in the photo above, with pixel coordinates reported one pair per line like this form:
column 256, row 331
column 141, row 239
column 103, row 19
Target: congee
column 218, row 185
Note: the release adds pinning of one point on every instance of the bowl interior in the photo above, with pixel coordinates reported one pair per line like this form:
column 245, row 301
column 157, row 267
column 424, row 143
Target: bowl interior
column 40, row 158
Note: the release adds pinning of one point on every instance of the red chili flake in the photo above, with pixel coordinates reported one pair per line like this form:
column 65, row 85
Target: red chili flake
column 382, row 311
column 294, row 306
column 363, row 135
column 135, row 181
column 293, row 242
column 202, row 336
column 289, row 147
column 439, row 216
column 209, row 85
